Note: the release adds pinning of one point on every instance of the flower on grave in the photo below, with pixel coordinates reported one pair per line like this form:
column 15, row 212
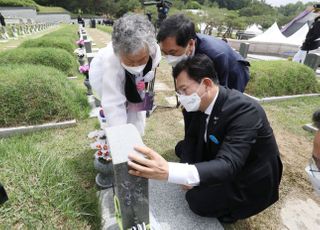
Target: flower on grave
column 84, row 69
column 103, row 154
column 80, row 42
column 80, row 52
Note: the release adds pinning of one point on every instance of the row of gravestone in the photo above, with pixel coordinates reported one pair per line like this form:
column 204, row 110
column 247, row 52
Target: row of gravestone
column 312, row 59
column 15, row 31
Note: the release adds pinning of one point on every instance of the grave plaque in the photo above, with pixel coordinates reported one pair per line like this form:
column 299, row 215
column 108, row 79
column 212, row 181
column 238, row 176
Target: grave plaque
column 312, row 60
column 244, row 48
column 131, row 192
column 87, row 45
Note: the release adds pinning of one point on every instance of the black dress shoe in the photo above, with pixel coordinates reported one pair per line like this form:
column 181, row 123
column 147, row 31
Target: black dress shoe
column 227, row 219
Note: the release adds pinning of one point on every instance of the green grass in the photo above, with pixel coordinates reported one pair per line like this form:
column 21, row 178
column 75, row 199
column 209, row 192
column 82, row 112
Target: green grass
column 33, row 94
column 277, row 78
column 107, row 29
column 293, row 114
column 51, row 9
column 49, row 178
column 58, row 42
column 14, row 3
column 52, row 57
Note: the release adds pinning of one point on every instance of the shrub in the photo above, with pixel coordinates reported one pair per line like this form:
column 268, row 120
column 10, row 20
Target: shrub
column 52, row 57
column 50, row 42
column 32, row 94
column 278, row 78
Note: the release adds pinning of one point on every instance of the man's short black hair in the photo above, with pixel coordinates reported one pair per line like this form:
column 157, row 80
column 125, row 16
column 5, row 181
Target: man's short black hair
column 178, row 26
column 316, row 118
column 197, row 67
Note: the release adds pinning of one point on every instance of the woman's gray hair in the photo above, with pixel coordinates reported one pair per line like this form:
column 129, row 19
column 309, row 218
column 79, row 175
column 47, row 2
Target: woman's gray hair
column 131, row 33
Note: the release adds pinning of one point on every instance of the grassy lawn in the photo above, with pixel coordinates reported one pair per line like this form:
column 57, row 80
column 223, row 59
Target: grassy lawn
column 292, row 114
column 107, row 29
column 50, row 9
column 49, row 177
column 15, row 43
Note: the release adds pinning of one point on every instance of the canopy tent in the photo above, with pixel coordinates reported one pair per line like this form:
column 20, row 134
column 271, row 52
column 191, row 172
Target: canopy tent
column 253, row 29
column 298, row 22
column 273, row 34
column 298, row 37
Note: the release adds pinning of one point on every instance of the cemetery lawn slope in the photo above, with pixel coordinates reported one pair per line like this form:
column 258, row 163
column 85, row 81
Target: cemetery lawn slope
column 49, row 178
column 279, row 78
column 33, row 94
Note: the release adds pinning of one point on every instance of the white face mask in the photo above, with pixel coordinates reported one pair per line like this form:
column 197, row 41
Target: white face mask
column 135, row 70
column 174, row 60
column 191, row 102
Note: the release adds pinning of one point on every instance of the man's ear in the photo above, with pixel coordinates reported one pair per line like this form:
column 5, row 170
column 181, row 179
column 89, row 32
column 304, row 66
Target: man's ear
column 208, row 82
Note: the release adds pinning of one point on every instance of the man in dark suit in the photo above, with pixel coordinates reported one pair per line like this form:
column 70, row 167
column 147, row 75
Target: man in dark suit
column 229, row 156
column 178, row 40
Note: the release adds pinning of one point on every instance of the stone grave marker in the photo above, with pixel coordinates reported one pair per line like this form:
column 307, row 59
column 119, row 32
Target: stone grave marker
column 244, row 49
column 312, row 60
column 131, row 192
column 87, row 45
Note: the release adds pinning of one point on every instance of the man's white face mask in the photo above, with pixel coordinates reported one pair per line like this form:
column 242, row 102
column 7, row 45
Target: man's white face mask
column 191, row 102
column 174, row 60
column 135, row 70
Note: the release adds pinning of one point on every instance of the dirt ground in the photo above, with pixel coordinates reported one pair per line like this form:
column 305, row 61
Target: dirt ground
column 298, row 206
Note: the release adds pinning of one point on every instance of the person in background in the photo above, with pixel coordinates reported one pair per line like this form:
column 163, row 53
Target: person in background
column 2, row 21
column 312, row 41
column 178, row 40
column 121, row 72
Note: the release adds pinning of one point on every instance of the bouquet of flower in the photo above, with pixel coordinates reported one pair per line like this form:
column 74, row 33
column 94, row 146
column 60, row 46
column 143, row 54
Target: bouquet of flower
column 103, row 154
column 84, row 69
column 80, row 43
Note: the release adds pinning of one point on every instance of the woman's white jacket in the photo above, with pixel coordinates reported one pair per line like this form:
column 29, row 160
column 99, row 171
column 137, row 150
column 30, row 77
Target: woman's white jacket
column 107, row 78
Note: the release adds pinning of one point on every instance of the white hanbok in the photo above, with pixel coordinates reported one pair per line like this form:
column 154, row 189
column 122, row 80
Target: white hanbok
column 107, row 78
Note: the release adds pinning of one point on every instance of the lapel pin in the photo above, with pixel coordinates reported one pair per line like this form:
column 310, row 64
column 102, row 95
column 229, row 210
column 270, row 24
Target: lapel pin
column 213, row 139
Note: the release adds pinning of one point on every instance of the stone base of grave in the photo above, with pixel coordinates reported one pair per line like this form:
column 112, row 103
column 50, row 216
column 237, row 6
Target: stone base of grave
column 168, row 210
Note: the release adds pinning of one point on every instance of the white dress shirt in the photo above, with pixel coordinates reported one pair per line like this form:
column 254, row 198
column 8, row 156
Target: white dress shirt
column 186, row 174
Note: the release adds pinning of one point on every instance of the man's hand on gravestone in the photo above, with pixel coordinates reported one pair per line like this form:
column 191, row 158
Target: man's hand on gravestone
column 154, row 166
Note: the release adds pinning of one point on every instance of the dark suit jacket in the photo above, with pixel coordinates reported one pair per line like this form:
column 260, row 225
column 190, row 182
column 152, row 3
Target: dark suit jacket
column 245, row 156
column 231, row 67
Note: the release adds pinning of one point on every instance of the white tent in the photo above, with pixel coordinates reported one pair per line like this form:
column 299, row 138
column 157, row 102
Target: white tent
column 298, row 37
column 273, row 34
column 253, row 29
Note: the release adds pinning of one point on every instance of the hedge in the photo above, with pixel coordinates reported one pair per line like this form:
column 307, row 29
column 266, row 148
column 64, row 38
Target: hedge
column 53, row 57
column 35, row 94
column 58, row 42
column 278, row 78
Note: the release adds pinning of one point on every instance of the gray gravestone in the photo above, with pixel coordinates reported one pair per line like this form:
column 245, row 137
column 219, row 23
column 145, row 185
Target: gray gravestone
column 131, row 192
column 87, row 45
column 244, row 49
column 312, row 60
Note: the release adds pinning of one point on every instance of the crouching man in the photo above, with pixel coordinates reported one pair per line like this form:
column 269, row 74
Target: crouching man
column 230, row 160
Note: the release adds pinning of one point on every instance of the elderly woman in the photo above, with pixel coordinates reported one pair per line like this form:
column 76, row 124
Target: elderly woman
column 120, row 73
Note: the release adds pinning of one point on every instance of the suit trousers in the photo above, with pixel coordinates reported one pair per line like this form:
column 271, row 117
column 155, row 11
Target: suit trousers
column 210, row 201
